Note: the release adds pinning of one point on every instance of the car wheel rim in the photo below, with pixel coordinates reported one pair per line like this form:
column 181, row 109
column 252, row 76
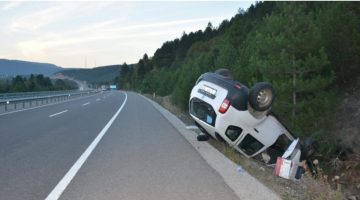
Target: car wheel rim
column 264, row 97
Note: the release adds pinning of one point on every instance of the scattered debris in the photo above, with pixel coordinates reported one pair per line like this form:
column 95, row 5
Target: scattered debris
column 315, row 162
column 239, row 169
column 286, row 168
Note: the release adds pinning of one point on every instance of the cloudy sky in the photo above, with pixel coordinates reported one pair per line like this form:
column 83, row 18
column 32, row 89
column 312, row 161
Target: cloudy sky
column 72, row 34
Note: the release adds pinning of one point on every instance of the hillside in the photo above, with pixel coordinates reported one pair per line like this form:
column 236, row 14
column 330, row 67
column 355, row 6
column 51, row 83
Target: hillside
column 98, row 75
column 308, row 59
column 17, row 67
column 308, row 51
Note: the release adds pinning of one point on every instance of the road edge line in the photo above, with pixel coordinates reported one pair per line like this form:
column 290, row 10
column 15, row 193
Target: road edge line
column 65, row 181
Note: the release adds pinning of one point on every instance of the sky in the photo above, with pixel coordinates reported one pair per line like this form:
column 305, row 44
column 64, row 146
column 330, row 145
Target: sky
column 89, row 34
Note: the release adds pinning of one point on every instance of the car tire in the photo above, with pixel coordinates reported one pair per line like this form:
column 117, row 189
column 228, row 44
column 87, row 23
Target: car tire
column 202, row 129
column 225, row 73
column 202, row 137
column 261, row 96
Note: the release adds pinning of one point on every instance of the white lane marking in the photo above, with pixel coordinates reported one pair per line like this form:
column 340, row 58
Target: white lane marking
column 59, row 113
column 64, row 182
column 87, row 103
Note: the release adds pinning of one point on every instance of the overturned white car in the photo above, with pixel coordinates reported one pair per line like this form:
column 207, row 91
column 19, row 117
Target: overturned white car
column 228, row 110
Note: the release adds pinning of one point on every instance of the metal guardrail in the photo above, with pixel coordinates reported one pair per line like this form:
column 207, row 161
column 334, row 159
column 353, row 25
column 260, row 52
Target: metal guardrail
column 16, row 101
column 25, row 95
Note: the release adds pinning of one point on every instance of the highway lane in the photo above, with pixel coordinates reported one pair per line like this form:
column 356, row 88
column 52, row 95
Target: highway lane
column 141, row 156
column 37, row 150
column 144, row 157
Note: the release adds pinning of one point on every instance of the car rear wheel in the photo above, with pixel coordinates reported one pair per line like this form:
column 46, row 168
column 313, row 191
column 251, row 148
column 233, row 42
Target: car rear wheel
column 261, row 96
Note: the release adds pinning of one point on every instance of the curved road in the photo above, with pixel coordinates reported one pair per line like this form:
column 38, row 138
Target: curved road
column 140, row 156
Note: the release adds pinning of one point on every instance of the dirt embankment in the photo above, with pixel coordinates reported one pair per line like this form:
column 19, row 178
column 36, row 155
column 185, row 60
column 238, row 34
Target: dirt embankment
column 348, row 119
column 346, row 128
column 346, row 171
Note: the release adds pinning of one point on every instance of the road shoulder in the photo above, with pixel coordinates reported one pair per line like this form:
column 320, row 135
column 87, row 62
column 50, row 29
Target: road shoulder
column 242, row 183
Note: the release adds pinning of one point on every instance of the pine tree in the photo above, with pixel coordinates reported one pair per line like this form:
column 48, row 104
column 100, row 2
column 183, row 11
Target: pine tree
column 290, row 55
column 140, row 70
column 124, row 73
column 340, row 25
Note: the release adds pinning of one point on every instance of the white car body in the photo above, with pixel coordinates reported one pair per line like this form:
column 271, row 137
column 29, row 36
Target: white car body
column 263, row 127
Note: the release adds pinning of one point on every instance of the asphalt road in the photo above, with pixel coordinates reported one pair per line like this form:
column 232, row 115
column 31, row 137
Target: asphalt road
column 140, row 156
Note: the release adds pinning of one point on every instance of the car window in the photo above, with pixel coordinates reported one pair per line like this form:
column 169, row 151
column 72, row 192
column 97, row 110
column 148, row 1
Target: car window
column 282, row 143
column 203, row 111
column 250, row 145
column 233, row 132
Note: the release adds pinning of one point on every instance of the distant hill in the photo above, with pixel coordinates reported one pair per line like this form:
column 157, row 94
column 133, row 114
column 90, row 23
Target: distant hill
column 95, row 75
column 18, row 67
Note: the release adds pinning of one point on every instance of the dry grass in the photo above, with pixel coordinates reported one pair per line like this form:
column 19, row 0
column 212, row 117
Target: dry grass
column 319, row 187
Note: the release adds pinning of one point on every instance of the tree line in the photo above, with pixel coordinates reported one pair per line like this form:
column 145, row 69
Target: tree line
column 34, row 83
column 307, row 50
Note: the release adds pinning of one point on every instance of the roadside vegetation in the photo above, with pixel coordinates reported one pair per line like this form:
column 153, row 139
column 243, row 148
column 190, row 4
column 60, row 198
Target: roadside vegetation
column 34, row 83
column 309, row 52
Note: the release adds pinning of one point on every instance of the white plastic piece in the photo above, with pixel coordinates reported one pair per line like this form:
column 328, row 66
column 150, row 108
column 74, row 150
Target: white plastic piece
column 291, row 148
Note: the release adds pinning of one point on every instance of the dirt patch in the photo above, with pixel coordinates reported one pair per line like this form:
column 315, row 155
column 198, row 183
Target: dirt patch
column 348, row 120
